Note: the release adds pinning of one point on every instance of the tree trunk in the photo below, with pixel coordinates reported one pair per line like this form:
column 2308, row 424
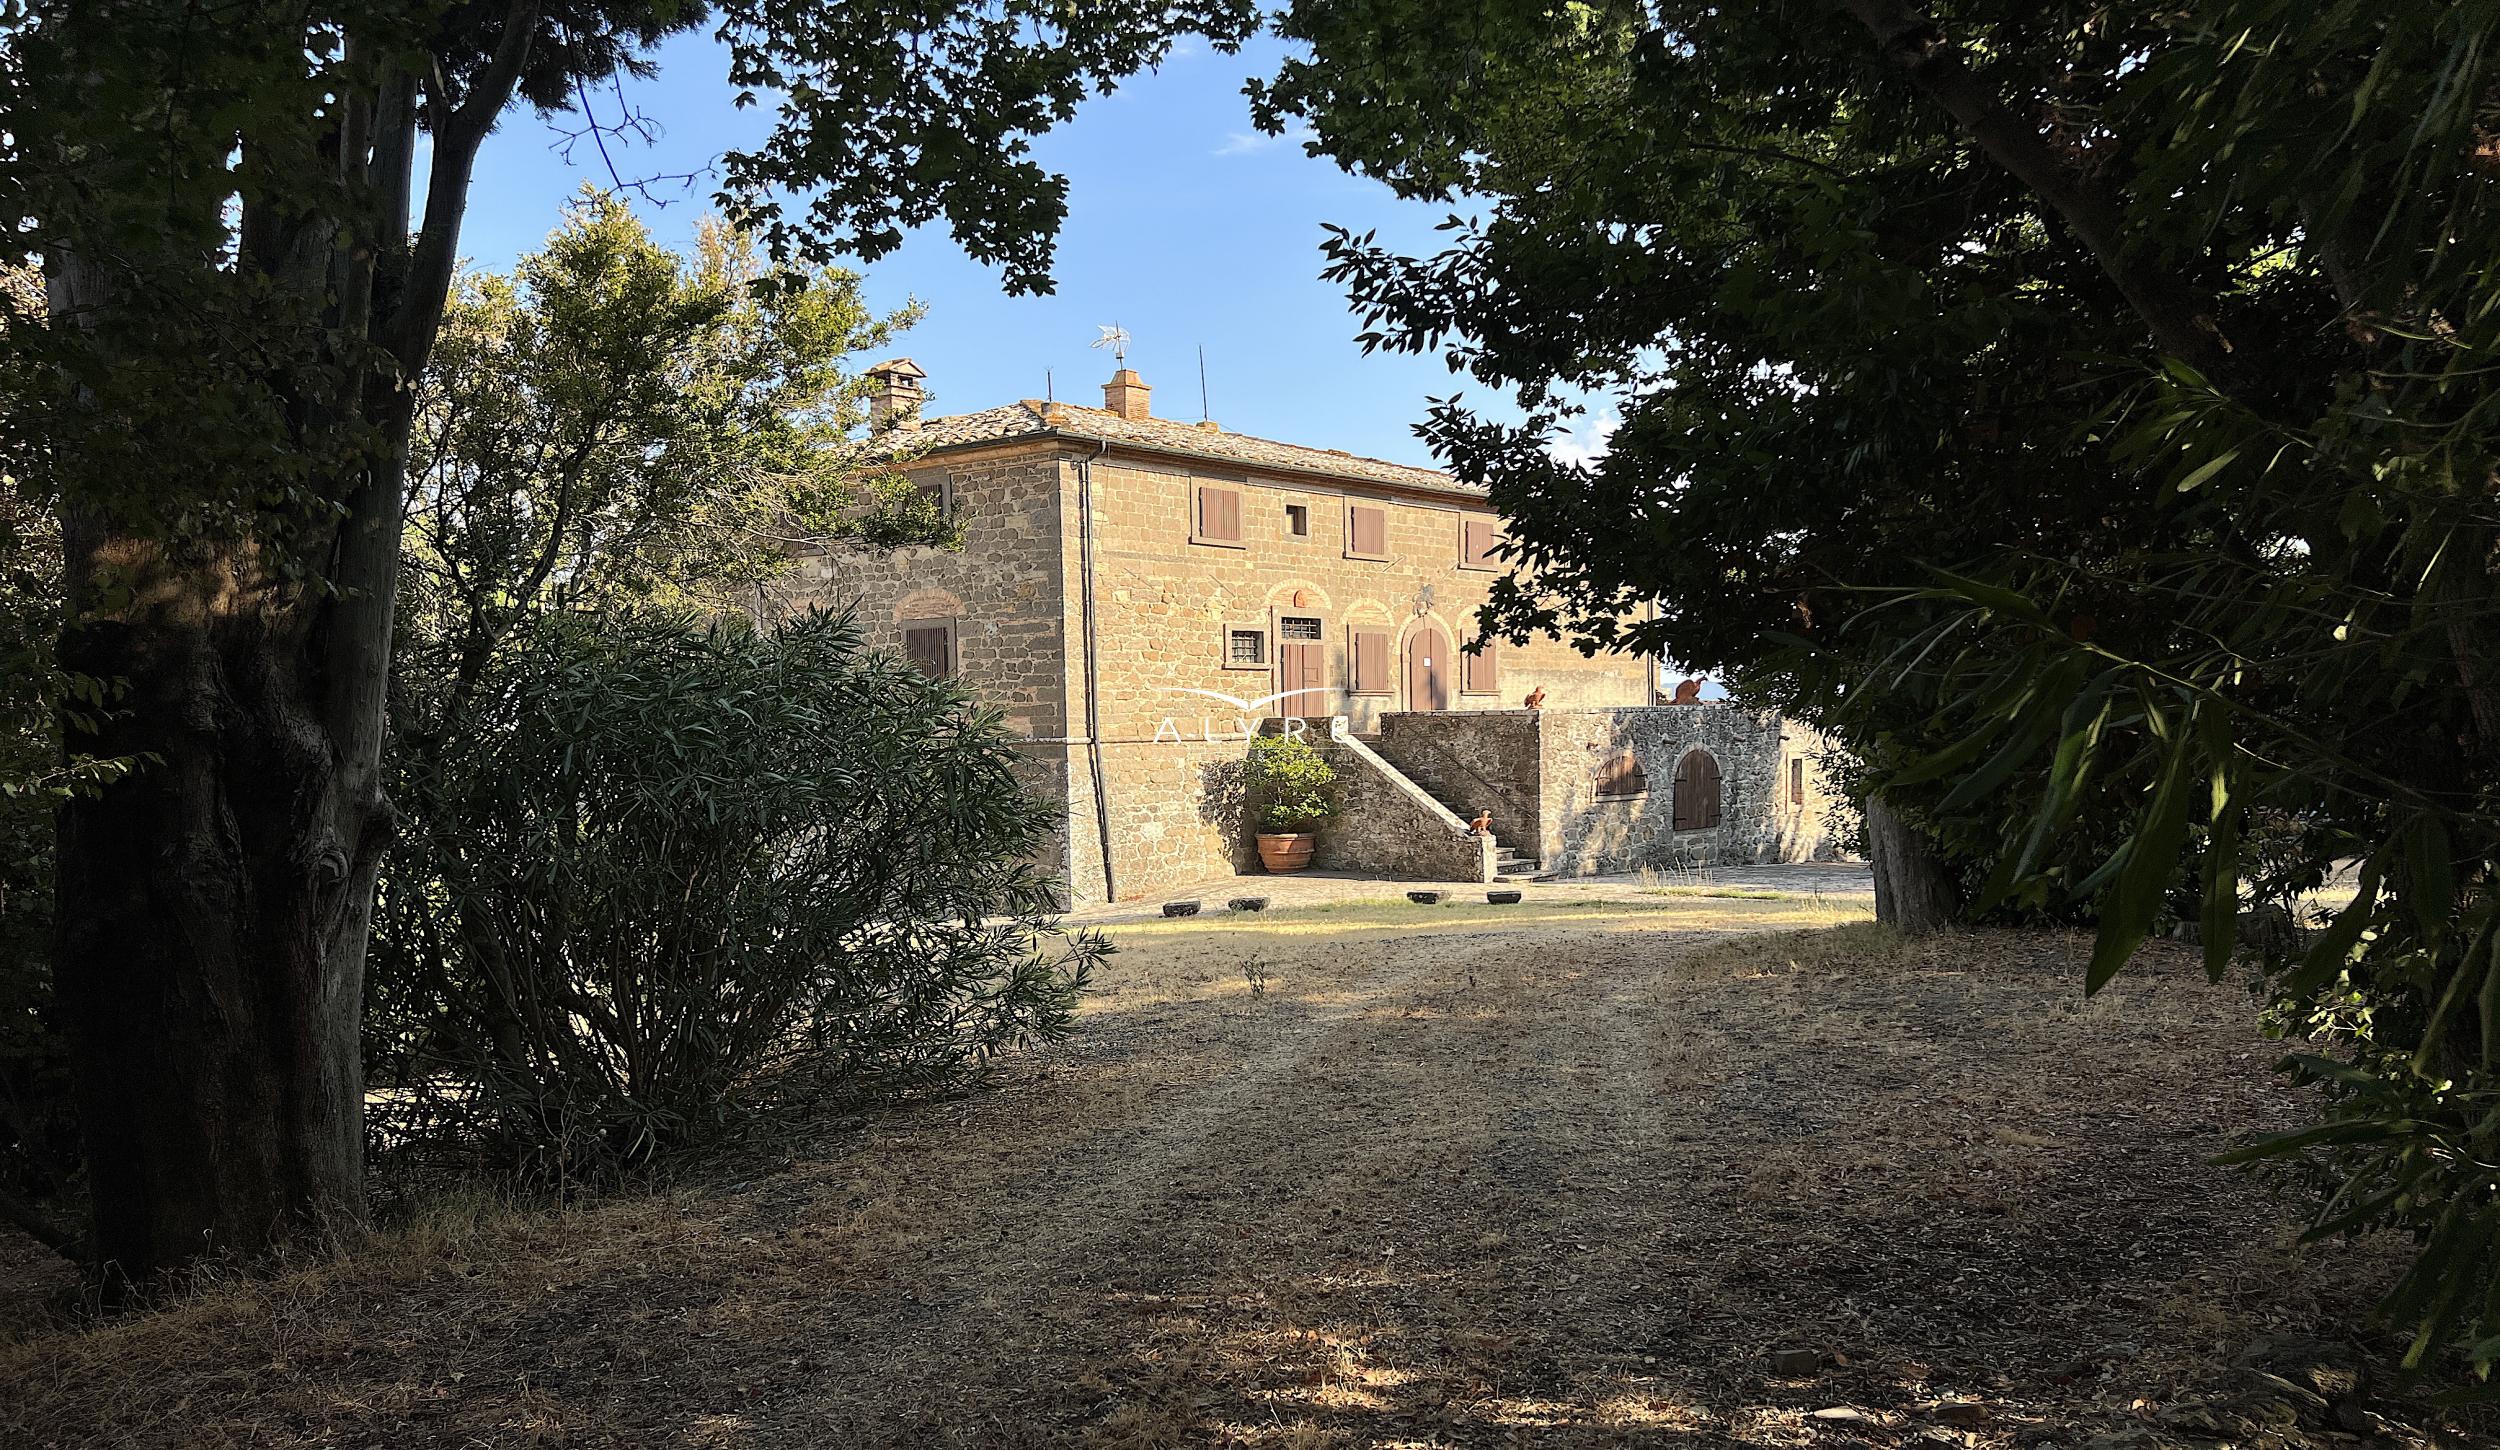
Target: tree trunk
column 216, row 902
column 1915, row 892
column 212, row 910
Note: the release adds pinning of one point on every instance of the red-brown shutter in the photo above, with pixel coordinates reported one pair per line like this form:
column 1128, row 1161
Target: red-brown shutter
column 1371, row 661
column 1219, row 514
column 927, row 646
column 1476, row 549
column 1368, row 531
column 1622, row 775
column 1484, row 675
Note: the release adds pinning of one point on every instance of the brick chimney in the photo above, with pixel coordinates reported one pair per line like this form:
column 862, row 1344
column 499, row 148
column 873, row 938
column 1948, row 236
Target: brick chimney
column 1126, row 394
column 894, row 400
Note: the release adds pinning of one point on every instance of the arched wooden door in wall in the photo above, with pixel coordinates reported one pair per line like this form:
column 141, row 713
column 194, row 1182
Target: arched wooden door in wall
column 1428, row 668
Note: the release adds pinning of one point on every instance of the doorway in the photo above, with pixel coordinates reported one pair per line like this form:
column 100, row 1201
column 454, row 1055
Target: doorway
column 1302, row 666
column 1428, row 668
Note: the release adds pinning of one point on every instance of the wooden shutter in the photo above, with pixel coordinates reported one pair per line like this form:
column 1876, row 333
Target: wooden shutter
column 1476, row 542
column 1796, row 782
column 1696, row 792
column 1483, row 672
column 1367, row 531
column 930, row 648
column 1368, row 650
column 1219, row 514
column 1622, row 775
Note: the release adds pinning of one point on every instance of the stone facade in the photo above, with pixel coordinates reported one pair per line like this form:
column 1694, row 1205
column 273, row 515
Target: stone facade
column 1774, row 796
column 1207, row 572
column 1387, row 825
column 1546, row 775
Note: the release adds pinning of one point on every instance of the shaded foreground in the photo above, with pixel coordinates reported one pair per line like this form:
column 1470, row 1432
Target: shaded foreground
column 1393, row 1176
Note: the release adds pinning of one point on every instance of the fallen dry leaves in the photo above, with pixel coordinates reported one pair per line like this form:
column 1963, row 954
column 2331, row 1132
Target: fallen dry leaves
column 1447, row 1178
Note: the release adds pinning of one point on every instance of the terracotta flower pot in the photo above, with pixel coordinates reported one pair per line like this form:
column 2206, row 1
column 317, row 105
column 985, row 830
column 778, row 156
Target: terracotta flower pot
column 1285, row 851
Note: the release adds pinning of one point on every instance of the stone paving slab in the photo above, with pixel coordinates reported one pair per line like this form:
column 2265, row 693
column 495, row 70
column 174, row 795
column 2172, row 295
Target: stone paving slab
column 1837, row 880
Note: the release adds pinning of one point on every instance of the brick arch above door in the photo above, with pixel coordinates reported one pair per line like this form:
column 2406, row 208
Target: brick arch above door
column 928, row 604
column 1300, row 594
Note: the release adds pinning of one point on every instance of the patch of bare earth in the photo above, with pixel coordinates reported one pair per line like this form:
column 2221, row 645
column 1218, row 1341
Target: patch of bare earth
column 1454, row 1178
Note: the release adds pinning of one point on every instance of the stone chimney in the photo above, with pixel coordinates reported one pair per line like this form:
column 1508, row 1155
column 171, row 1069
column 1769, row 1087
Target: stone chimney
column 1126, row 394
column 895, row 398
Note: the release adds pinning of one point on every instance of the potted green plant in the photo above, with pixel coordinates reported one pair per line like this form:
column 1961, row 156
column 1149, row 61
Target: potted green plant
column 1291, row 788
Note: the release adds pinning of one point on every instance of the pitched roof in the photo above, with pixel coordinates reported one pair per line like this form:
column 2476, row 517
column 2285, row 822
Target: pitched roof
column 1026, row 420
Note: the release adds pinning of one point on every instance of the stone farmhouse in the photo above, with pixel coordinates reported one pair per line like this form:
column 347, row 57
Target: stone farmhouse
column 1138, row 594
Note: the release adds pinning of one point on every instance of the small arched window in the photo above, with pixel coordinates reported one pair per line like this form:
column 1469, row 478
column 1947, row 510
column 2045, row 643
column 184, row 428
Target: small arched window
column 1621, row 775
column 1696, row 792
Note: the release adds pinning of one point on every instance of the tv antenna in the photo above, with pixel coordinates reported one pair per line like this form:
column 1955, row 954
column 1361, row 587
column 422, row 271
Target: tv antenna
column 1203, row 414
column 1115, row 337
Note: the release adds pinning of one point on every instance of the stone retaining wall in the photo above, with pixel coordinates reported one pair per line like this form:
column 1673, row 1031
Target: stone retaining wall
column 1388, row 825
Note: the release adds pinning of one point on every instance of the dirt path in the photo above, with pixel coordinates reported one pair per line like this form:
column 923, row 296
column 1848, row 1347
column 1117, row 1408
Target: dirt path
column 1384, row 1177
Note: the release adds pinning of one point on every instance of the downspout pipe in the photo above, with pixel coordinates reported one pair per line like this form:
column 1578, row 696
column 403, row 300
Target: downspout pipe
column 1093, row 655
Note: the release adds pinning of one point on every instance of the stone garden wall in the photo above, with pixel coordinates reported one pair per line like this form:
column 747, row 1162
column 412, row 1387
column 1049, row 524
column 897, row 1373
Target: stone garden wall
column 1387, row 825
column 1477, row 761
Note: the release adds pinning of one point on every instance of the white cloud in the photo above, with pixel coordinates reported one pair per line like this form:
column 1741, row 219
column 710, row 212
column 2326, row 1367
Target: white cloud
column 1586, row 444
column 1250, row 143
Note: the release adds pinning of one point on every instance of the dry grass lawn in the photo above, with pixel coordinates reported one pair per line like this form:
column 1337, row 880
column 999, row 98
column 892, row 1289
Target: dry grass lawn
column 1390, row 1176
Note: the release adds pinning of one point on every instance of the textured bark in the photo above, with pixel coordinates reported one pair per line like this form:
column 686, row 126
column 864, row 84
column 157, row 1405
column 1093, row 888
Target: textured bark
column 215, row 905
column 1914, row 891
column 212, row 952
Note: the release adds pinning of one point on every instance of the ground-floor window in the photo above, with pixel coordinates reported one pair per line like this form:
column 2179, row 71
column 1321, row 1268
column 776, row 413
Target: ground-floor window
column 930, row 646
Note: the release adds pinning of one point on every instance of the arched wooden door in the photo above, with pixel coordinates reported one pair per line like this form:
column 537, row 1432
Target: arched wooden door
column 1428, row 668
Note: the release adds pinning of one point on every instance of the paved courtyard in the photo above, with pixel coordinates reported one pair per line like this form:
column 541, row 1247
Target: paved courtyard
column 1844, row 883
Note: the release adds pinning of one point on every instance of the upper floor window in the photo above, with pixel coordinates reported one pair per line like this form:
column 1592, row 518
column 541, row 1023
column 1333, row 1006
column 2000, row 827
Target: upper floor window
column 1218, row 520
column 1476, row 538
column 1366, row 531
column 1298, row 520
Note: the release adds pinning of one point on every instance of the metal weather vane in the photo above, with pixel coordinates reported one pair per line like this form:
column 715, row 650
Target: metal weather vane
column 1114, row 337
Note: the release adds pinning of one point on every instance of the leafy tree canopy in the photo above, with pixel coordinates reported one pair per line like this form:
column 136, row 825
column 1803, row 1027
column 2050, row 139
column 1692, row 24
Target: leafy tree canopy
column 2085, row 409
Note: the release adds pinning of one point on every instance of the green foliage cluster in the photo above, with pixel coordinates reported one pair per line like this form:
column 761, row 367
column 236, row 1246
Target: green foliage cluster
column 655, row 875
column 670, row 878
column 2085, row 410
column 1288, row 784
column 613, row 426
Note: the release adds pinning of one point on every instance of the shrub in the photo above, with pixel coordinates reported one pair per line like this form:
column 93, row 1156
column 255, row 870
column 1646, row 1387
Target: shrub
column 1291, row 787
column 673, row 878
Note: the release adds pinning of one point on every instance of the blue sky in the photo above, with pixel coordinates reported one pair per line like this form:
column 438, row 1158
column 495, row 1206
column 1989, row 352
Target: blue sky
column 1184, row 226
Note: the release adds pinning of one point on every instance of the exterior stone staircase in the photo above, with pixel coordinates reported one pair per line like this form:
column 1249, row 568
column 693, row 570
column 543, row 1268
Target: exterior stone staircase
column 1453, row 783
column 1512, row 864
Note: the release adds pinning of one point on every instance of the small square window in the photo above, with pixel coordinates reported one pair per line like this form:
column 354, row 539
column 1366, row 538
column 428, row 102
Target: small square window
column 1298, row 628
column 1298, row 520
column 1245, row 649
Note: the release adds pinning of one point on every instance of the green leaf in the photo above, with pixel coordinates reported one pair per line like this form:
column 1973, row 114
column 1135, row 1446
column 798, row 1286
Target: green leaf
column 2152, row 857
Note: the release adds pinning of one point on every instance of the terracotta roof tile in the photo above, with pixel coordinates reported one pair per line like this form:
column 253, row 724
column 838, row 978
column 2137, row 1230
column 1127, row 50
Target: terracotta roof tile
column 1025, row 420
